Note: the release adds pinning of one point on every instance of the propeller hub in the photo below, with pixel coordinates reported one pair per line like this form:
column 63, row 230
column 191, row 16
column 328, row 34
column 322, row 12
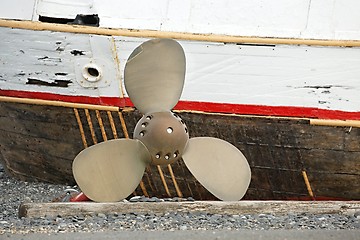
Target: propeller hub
column 164, row 134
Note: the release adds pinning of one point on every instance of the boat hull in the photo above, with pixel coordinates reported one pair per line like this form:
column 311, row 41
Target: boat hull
column 260, row 94
column 39, row 143
column 259, row 79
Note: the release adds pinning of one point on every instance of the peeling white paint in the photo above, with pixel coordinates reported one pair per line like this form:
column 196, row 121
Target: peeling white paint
column 100, row 59
column 53, row 56
column 284, row 75
column 300, row 76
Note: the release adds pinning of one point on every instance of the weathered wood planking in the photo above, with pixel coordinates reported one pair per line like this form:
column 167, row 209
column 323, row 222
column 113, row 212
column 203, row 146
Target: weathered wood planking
column 211, row 207
column 39, row 143
column 279, row 149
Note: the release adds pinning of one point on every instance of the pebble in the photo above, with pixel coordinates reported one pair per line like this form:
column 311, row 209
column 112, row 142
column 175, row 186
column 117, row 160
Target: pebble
column 183, row 227
column 14, row 192
column 101, row 215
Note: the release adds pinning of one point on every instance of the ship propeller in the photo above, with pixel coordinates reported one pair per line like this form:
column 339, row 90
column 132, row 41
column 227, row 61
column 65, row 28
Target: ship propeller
column 154, row 78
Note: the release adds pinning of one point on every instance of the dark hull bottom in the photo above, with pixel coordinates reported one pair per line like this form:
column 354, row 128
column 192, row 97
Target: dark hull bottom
column 38, row 143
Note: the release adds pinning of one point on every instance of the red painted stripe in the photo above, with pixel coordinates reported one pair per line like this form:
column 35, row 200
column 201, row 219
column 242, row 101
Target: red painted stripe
column 246, row 109
column 108, row 101
column 279, row 111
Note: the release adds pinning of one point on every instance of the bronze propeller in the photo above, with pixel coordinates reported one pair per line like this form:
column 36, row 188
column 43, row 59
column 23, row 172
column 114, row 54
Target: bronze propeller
column 154, row 79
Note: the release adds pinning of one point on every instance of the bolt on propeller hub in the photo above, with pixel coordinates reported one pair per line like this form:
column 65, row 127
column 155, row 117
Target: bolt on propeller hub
column 164, row 134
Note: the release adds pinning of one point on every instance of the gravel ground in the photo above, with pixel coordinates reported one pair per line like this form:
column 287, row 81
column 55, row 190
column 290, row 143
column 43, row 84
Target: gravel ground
column 15, row 192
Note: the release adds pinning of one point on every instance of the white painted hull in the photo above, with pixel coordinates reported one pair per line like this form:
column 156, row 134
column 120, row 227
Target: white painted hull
column 261, row 79
column 321, row 19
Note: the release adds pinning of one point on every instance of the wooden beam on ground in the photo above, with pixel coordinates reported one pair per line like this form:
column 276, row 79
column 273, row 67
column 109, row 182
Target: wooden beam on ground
column 212, row 207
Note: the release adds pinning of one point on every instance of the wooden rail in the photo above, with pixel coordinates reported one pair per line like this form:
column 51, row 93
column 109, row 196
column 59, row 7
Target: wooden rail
column 40, row 26
column 335, row 123
column 57, row 103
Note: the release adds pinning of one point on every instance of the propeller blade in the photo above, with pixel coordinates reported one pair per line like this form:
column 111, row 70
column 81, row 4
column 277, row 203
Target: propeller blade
column 110, row 171
column 219, row 166
column 154, row 75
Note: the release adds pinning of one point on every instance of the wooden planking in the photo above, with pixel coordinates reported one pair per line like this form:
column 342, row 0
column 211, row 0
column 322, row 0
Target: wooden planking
column 51, row 68
column 38, row 210
column 57, row 148
column 38, row 167
column 328, row 72
column 279, row 18
column 346, row 186
column 37, row 113
column 273, row 132
column 39, row 142
column 282, row 182
column 278, row 151
column 325, row 161
column 322, row 74
column 279, row 77
column 291, row 158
